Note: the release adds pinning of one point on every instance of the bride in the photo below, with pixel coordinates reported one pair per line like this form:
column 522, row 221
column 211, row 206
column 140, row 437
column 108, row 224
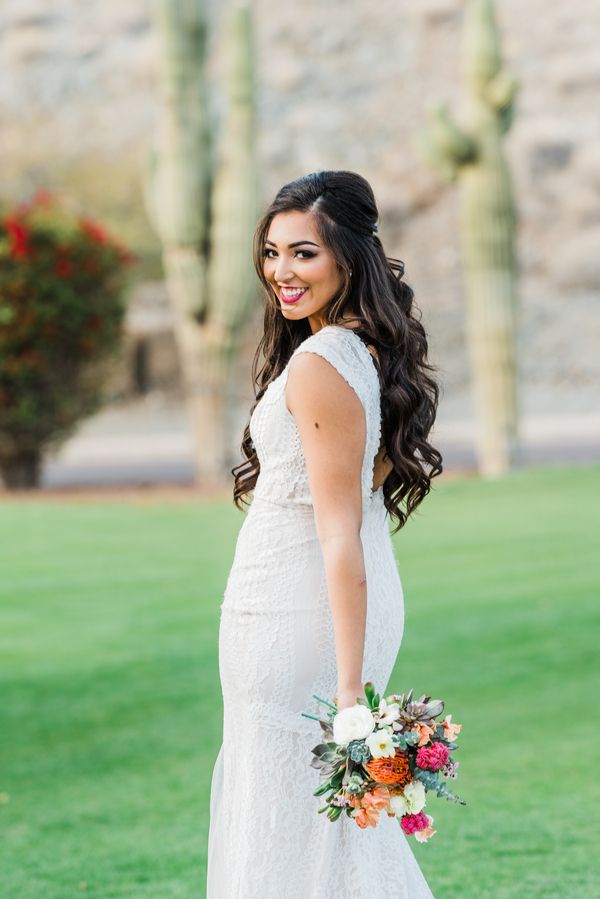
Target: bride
column 336, row 443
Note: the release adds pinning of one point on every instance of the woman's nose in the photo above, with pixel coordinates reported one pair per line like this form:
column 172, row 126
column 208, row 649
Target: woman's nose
column 282, row 270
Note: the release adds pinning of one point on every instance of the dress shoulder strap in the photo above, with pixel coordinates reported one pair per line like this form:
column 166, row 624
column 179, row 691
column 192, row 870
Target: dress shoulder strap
column 346, row 352
column 342, row 349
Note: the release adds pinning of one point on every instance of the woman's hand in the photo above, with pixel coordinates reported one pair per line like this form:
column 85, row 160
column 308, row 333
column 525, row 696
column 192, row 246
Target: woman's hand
column 349, row 696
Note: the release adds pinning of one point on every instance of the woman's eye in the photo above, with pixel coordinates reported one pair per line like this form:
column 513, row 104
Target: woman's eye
column 305, row 253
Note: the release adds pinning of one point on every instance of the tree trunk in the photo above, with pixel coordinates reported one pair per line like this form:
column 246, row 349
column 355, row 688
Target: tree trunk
column 21, row 470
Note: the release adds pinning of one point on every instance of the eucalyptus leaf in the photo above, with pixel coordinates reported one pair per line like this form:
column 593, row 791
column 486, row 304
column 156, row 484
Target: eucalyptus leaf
column 429, row 779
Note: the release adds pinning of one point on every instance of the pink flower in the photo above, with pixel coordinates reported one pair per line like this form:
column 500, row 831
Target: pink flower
column 423, row 835
column 412, row 823
column 433, row 757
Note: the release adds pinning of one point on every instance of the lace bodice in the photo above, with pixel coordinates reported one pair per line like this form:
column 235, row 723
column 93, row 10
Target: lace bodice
column 283, row 477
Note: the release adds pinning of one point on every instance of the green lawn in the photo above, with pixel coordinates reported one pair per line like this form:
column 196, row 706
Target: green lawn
column 110, row 714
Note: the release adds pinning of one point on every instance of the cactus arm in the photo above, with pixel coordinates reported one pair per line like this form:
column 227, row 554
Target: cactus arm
column 178, row 178
column 232, row 284
column 500, row 93
column 446, row 146
column 185, row 270
column 480, row 45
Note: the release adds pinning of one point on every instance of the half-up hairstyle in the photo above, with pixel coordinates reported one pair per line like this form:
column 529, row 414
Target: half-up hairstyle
column 345, row 215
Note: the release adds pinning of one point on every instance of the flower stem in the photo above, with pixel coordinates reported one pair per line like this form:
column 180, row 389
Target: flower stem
column 324, row 701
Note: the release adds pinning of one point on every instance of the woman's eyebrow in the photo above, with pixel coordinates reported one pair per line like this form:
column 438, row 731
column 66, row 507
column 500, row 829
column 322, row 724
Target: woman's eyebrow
column 296, row 244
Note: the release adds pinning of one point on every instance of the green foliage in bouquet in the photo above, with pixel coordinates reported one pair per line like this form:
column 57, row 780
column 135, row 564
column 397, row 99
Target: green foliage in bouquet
column 62, row 279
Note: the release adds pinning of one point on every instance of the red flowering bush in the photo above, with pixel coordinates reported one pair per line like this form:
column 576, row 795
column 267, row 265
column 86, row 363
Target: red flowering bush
column 62, row 280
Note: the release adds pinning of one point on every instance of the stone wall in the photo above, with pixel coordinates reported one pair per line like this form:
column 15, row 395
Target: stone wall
column 343, row 85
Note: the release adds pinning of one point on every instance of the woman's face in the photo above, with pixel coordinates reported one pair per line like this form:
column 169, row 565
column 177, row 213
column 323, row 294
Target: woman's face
column 301, row 271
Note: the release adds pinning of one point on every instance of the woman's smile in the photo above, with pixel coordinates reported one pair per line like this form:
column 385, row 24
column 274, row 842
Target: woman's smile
column 292, row 294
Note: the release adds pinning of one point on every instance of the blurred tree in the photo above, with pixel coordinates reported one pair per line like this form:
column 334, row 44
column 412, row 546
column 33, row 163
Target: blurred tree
column 62, row 279
column 475, row 158
column 205, row 213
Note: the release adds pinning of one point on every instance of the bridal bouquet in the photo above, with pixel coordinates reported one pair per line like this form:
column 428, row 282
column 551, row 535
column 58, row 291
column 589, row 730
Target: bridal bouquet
column 385, row 755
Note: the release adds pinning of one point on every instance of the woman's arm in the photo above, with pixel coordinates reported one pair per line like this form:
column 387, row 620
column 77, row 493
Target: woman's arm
column 331, row 422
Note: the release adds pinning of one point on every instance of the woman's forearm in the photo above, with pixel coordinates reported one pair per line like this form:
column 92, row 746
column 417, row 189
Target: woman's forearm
column 347, row 587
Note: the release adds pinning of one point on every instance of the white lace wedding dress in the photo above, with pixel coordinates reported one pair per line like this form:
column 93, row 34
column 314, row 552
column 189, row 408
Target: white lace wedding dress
column 276, row 648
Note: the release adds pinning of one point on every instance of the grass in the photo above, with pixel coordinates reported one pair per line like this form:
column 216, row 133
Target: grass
column 110, row 716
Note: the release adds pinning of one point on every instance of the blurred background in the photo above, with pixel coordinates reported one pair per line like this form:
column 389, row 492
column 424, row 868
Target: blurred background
column 140, row 142
column 80, row 100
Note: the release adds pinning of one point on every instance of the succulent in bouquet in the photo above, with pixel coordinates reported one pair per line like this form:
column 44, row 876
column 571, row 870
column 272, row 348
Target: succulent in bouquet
column 385, row 755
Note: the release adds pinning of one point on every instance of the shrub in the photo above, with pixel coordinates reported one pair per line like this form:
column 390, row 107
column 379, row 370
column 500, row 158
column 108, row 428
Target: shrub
column 62, row 280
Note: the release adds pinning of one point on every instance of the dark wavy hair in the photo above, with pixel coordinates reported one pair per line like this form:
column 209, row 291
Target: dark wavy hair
column 345, row 215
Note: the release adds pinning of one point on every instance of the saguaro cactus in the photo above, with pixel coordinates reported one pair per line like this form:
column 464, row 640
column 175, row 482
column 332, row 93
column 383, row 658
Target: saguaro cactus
column 205, row 218
column 475, row 158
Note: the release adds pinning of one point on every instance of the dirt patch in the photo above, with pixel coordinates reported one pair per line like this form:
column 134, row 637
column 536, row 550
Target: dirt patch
column 163, row 493
column 153, row 493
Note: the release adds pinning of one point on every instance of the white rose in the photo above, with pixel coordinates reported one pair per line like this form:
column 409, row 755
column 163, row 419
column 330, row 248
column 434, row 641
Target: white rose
column 411, row 801
column 381, row 744
column 354, row 723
